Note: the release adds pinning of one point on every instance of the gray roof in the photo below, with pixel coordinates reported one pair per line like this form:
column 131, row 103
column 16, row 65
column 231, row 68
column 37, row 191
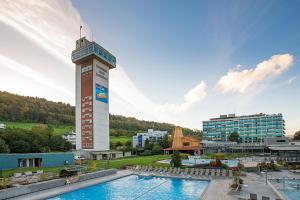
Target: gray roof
column 285, row 148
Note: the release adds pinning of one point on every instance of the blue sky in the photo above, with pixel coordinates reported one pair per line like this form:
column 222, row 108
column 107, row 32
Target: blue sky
column 178, row 61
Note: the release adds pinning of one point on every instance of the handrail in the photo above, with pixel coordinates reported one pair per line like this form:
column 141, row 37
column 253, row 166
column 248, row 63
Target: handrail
column 150, row 190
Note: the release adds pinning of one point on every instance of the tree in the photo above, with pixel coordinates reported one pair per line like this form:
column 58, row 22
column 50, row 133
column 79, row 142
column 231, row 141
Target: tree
column 19, row 146
column 176, row 159
column 157, row 149
column 148, row 145
column 3, row 147
column 165, row 142
column 234, row 137
column 297, row 135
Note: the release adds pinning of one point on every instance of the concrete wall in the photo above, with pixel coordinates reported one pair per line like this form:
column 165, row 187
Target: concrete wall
column 10, row 161
column 36, row 187
column 100, row 109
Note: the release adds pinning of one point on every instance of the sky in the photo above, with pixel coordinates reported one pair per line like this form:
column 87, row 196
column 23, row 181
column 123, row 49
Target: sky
column 180, row 62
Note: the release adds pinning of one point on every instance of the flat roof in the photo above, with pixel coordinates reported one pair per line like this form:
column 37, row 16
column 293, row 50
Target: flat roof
column 94, row 50
column 285, row 148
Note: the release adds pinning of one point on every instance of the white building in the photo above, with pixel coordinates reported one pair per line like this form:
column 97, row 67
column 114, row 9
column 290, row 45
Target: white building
column 2, row 126
column 93, row 63
column 70, row 137
column 151, row 135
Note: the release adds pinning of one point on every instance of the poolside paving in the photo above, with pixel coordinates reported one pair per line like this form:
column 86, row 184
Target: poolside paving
column 219, row 189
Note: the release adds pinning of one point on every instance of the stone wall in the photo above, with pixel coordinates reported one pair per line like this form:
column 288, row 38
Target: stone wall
column 35, row 187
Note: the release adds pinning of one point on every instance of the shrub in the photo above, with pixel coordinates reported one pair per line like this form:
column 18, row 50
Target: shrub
column 176, row 159
column 146, row 153
column 157, row 149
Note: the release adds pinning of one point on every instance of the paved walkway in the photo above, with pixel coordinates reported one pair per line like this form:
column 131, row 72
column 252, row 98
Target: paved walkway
column 218, row 190
column 256, row 184
column 67, row 188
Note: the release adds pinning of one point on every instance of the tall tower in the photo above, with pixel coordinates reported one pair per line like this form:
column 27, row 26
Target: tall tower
column 93, row 63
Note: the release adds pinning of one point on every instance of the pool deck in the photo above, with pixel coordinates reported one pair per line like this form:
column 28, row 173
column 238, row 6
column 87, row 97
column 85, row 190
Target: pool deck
column 218, row 188
column 67, row 188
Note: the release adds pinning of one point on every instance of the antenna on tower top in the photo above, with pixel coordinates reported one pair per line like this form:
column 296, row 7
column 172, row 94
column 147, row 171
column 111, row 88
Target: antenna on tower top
column 80, row 32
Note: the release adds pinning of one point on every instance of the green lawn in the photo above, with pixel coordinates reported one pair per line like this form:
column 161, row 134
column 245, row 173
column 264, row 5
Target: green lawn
column 122, row 139
column 58, row 129
column 134, row 160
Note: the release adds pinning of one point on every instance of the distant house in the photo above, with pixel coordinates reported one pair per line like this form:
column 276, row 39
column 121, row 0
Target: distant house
column 2, row 126
column 184, row 144
column 70, row 137
column 152, row 135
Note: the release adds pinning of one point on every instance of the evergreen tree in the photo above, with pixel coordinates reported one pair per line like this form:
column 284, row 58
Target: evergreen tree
column 234, row 137
column 176, row 159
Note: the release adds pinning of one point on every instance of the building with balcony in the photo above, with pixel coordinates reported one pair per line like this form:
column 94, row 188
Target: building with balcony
column 70, row 137
column 251, row 128
column 152, row 135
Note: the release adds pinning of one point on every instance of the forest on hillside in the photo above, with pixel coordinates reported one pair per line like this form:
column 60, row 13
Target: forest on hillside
column 17, row 108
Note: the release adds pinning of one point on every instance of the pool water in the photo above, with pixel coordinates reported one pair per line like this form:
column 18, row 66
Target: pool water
column 292, row 189
column 139, row 187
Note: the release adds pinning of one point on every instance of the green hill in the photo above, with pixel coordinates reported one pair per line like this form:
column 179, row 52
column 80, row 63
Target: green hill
column 24, row 112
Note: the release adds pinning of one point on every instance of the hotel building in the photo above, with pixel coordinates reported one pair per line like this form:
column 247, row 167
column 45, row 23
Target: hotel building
column 93, row 63
column 251, row 128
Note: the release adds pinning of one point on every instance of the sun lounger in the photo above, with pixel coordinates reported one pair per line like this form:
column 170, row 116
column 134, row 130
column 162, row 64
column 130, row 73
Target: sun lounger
column 192, row 171
column 213, row 172
column 201, row 172
column 186, row 171
column 17, row 175
column 178, row 171
column 196, row 171
column 28, row 173
column 218, row 172
column 230, row 173
column 224, row 172
column 207, row 172
column 253, row 196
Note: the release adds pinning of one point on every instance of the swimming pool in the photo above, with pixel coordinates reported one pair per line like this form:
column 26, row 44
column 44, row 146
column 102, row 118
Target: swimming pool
column 192, row 162
column 291, row 189
column 139, row 187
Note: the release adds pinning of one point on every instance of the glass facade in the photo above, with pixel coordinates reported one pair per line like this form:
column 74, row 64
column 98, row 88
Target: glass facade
column 251, row 128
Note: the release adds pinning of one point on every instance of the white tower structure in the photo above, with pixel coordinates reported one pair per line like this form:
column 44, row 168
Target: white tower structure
column 93, row 63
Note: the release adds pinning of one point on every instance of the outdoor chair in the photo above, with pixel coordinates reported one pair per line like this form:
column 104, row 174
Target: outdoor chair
column 253, row 196
column 265, row 198
column 186, row 171
column 230, row 173
column 218, row 172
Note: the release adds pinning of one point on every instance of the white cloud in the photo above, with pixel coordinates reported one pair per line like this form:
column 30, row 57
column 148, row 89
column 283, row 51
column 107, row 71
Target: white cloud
column 34, row 75
column 193, row 96
column 240, row 80
column 53, row 25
